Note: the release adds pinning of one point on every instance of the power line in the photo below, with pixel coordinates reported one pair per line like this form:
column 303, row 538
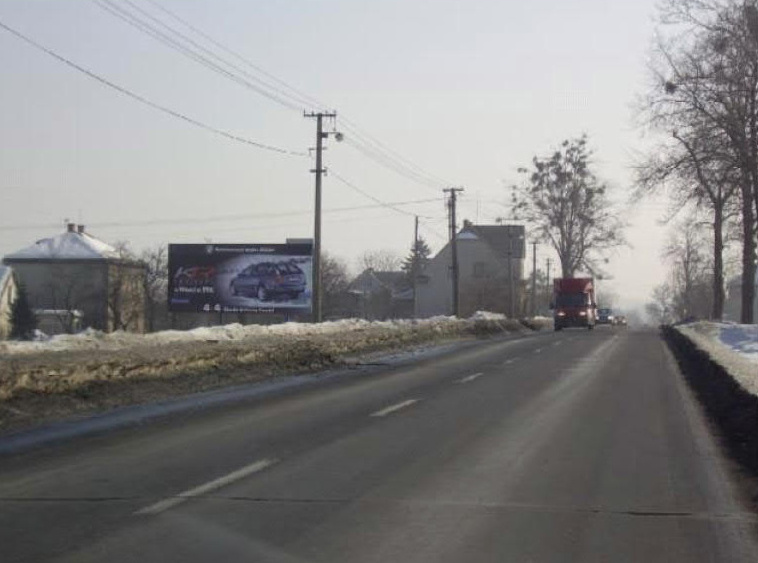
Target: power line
column 391, row 154
column 298, row 94
column 145, row 101
column 382, row 160
column 366, row 144
column 371, row 197
column 194, row 54
column 215, row 219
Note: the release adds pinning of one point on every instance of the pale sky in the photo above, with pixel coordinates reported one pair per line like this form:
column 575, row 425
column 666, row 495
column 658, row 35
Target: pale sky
column 468, row 90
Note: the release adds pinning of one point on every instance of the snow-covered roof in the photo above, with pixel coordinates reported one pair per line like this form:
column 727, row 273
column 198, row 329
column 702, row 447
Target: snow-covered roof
column 66, row 246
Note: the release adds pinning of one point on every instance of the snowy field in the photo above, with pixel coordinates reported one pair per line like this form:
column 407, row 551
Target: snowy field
column 733, row 346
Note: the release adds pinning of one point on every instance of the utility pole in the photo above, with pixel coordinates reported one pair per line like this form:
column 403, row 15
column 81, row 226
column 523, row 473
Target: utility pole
column 318, row 171
column 511, row 302
column 454, row 245
column 414, row 266
column 548, row 284
column 534, row 279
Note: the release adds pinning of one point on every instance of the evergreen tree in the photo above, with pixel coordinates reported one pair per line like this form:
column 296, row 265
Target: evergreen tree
column 417, row 259
column 23, row 321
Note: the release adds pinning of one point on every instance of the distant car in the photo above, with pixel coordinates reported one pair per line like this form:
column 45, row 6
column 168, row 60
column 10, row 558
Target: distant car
column 194, row 276
column 605, row 316
column 267, row 280
column 620, row 320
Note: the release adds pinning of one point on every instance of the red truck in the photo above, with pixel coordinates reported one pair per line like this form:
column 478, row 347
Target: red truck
column 574, row 303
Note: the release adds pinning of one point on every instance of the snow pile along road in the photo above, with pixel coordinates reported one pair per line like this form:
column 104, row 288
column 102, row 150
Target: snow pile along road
column 216, row 356
column 97, row 340
column 732, row 346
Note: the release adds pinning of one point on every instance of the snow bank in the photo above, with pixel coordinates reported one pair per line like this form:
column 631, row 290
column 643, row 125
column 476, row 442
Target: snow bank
column 733, row 346
column 213, row 356
column 97, row 340
column 487, row 316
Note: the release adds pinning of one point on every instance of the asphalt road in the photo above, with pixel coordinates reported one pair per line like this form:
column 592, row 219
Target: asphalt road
column 570, row 446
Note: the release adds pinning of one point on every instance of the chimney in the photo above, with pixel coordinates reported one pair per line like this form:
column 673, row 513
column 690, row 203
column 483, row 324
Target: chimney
column 80, row 229
column 70, row 227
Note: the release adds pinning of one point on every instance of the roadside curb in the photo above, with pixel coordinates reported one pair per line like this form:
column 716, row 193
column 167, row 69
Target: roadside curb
column 728, row 404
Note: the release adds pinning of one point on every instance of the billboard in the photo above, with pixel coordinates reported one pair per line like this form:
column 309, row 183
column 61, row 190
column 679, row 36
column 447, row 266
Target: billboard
column 237, row 278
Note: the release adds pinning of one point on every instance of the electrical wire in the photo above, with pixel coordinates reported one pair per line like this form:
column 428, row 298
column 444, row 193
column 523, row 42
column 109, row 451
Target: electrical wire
column 371, row 197
column 145, row 101
column 363, row 142
column 303, row 97
column 391, row 154
column 382, row 160
column 195, row 54
column 220, row 218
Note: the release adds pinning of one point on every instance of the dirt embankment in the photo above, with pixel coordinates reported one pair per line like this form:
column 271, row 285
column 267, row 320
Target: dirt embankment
column 49, row 385
column 730, row 406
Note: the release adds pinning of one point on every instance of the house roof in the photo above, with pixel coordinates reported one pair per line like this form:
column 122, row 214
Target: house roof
column 503, row 239
column 66, row 246
column 393, row 281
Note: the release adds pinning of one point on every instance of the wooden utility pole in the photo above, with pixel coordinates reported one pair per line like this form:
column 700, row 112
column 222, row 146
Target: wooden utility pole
column 453, row 245
column 318, row 171
column 534, row 279
column 414, row 266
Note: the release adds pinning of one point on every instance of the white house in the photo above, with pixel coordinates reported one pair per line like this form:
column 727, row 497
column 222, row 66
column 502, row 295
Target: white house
column 82, row 282
column 490, row 273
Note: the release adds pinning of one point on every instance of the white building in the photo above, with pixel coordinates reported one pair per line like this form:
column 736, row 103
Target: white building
column 490, row 273
column 82, row 282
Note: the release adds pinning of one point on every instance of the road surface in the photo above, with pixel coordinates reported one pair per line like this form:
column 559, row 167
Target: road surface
column 571, row 446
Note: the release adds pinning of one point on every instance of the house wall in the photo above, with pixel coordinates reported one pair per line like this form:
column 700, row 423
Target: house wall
column 67, row 286
column 8, row 293
column 483, row 281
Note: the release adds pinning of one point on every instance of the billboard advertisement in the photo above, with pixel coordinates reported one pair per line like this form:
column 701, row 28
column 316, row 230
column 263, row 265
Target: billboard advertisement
column 237, row 278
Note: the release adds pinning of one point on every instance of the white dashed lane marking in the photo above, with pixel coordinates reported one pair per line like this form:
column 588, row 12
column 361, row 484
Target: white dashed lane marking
column 470, row 378
column 395, row 408
column 209, row 487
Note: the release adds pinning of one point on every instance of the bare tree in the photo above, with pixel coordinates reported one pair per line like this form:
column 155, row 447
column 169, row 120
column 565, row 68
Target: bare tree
column 568, row 207
column 70, row 291
column 380, row 261
column 690, row 277
column 126, row 296
column 696, row 167
column 334, row 282
column 660, row 308
column 155, row 284
column 705, row 89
